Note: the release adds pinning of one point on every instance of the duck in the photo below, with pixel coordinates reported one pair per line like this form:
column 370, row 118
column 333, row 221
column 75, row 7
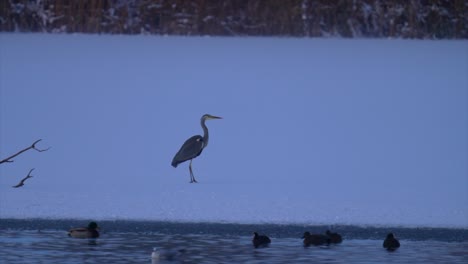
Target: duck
column 315, row 239
column 155, row 256
column 91, row 231
column 391, row 243
column 260, row 240
column 335, row 238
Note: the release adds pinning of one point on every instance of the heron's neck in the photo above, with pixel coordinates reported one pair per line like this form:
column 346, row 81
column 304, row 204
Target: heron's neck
column 205, row 133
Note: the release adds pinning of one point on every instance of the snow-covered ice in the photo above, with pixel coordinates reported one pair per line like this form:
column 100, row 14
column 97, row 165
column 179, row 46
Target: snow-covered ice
column 314, row 131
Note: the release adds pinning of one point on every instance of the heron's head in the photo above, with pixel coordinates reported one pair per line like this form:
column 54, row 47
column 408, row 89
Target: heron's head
column 92, row 225
column 390, row 235
column 209, row 117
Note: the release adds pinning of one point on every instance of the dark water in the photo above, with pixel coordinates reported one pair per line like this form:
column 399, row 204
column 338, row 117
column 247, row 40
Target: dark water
column 46, row 241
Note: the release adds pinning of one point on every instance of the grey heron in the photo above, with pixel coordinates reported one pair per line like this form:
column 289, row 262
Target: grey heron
column 193, row 147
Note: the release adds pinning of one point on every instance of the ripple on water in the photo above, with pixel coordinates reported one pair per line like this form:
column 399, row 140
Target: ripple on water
column 54, row 246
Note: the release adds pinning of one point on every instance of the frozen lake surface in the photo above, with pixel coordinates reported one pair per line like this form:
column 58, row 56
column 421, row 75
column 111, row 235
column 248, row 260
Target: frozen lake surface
column 46, row 241
column 314, row 131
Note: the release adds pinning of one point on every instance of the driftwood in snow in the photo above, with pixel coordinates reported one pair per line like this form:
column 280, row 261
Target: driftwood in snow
column 21, row 183
column 33, row 146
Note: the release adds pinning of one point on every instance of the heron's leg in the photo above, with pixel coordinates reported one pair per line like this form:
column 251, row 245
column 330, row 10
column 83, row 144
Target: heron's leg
column 192, row 177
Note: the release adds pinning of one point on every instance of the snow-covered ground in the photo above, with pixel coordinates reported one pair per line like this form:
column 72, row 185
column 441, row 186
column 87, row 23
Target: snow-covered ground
column 314, row 131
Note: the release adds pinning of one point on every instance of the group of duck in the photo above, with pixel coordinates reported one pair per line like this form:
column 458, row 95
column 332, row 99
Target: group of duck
column 390, row 243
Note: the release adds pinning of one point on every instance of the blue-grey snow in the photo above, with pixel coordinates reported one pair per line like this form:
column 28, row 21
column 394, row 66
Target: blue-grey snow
column 314, row 131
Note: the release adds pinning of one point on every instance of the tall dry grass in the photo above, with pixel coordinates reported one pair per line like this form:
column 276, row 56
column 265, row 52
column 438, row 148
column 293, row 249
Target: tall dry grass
column 359, row 18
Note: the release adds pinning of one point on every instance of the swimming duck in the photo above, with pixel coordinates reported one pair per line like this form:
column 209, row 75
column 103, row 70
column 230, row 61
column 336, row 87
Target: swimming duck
column 155, row 256
column 260, row 240
column 335, row 238
column 315, row 239
column 85, row 232
column 391, row 243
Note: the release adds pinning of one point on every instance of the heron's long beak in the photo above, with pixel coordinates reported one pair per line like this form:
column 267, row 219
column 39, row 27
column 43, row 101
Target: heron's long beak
column 215, row 117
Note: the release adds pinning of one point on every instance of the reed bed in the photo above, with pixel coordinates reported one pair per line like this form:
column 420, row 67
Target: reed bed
column 429, row 19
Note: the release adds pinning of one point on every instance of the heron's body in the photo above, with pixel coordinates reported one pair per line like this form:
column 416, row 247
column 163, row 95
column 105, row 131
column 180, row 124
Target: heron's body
column 260, row 240
column 193, row 147
column 85, row 232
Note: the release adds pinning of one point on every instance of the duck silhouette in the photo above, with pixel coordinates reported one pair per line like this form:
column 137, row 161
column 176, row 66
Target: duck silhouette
column 85, row 232
column 260, row 240
column 155, row 255
column 391, row 243
column 315, row 239
column 335, row 238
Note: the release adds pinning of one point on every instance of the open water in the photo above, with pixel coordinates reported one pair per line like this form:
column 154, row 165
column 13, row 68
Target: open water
column 46, row 241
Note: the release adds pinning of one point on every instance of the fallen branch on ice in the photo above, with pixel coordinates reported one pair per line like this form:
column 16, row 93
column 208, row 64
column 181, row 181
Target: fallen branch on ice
column 21, row 183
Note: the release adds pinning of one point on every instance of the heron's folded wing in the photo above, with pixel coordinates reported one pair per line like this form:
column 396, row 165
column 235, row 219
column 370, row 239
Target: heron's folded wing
column 189, row 150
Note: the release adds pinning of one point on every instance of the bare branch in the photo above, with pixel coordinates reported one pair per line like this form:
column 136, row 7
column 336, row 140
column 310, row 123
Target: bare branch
column 33, row 146
column 21, row 183
column 39, row 150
